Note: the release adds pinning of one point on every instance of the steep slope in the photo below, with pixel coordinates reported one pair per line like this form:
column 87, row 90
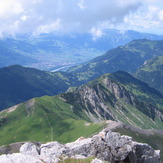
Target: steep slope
column 152, row 73
column 66, row 116
column 18, row 84
column 126, row 58
column 138, row 88
column 105, row 98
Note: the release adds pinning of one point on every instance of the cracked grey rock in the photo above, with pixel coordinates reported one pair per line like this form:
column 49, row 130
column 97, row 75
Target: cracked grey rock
column 107, row 145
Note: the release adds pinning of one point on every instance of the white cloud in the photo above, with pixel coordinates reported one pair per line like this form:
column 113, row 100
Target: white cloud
column 81, row 4
column 146, row 19
column 10, row 8
column 48, row 27
column 161, row 15
column 37, row 16
column 24, row 18
column 96, row 33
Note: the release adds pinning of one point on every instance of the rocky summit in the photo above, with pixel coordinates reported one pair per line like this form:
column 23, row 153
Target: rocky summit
column 106, row 146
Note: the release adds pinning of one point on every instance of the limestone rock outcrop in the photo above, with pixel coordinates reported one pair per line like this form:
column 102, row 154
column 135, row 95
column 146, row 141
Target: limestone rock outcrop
column 107, row 145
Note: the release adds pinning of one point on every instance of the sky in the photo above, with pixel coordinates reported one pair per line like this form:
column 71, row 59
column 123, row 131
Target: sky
column 81, row 16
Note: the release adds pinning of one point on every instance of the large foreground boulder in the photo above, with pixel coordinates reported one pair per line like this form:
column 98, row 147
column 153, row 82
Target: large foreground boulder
column 106, row 145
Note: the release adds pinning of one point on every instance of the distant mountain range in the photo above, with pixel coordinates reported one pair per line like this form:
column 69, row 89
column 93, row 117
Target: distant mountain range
column 127, row 58
column 51, row 52
column 19, row 84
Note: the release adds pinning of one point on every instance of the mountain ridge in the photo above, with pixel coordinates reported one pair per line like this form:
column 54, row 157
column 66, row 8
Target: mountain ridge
column 129, row 58
column 125, row 58
column 97, row 101
column 19, row 84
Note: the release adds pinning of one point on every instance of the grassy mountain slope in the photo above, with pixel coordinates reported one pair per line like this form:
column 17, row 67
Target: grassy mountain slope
column 43, row 119
column 70, row 115
column 18, row 84
column 126, row 58
column 152, row 73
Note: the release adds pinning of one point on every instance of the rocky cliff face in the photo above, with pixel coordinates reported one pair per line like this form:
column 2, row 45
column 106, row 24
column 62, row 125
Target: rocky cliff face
column 105, row 146
column 107, row 99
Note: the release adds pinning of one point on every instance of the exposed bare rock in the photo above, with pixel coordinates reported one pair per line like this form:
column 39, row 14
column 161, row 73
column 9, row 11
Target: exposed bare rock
column 97, row 161
column 30, row 149
column 107, row 145
column 19, row 158
column 11, row 109
column 105, row 99
column 12, row 148
column 113, row 125
column 51, row 152
column 118, row 90
column 94, row 100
